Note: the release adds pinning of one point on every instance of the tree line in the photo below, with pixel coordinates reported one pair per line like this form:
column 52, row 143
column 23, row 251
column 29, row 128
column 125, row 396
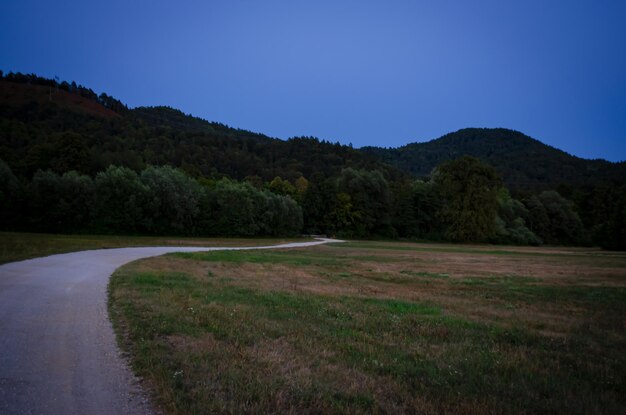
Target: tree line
column 463, row 200
column 157, row 200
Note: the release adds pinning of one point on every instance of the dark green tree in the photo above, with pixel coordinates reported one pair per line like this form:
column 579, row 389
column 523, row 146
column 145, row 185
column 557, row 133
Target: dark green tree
column 173, row 202
column 233, row 208
column 426, row 203
column 511, row 222
column 468, row 190
column 70, row 153
column 121, row 201
column 318, row 201
column 281, row 187
column 370, row 200
column 61, row 203
column 564, row 225
column 11, row 199
column 610, row 233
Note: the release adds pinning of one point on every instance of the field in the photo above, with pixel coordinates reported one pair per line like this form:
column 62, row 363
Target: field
column 377, row 327
column 16, row 246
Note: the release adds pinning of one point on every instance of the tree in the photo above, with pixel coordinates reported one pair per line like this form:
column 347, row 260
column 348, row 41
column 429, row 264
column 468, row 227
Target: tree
column 537, row 218
column 61, row 203
column 469, row 198
column 415, row 208
column 281, row 187
column 173, row 199
column 370, row 199
column 70, row 153
column 603, row 210
column 121, row 201
column 564, row 225
column 611, row 232
column 426, row 203
column 403, row 216
column 318, row 202
column 511, row 222
column 232, row 208
column 255, row 181
column 301, row 185
column 11, row 198
column 279, row 215
column 344, row 217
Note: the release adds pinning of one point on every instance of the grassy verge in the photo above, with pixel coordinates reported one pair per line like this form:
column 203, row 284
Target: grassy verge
column 15, row 246
column 365, row 329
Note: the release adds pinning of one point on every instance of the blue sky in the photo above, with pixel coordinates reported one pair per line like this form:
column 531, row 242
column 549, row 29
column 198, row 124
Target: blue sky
column 382, row 73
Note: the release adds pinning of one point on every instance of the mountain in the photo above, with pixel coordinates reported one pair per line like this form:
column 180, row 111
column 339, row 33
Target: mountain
column 45, row 125
column 523, row 162
column 48, row 128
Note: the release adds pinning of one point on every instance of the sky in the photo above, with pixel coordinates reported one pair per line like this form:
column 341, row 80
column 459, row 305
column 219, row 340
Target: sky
column 381, row 73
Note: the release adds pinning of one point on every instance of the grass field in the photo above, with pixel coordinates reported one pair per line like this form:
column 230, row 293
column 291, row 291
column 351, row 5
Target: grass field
column 374, row 327
column 16, row 246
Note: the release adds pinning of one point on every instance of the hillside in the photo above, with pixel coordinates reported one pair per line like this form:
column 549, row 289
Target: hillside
column 49, row 125
column 46, row 127
column 523, row 162
column 49, row 128
column 25, row 100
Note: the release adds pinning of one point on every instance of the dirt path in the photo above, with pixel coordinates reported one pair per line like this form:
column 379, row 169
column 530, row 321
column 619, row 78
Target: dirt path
column 58, row 353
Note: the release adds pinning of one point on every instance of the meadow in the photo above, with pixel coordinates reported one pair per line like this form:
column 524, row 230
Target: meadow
column 377, row 327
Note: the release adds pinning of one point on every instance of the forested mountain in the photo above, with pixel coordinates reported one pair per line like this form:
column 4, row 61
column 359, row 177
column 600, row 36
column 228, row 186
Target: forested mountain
column 75, row 161
column 36, row 114
column 522, row 161
column 48, row 127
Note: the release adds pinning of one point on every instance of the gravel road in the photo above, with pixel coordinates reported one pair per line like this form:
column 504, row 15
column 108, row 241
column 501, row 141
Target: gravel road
column 58, row 353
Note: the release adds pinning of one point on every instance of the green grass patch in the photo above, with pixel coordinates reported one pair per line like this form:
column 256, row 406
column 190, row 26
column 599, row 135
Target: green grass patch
column 425, row 274
column 403, row 307
column 533, row 290
column 261, row 257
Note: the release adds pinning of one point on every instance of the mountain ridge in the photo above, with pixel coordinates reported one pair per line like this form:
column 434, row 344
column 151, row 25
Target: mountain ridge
column 48, row 129
column 523, row 161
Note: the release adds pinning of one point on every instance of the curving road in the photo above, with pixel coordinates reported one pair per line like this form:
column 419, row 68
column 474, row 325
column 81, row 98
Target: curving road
column 58, row 353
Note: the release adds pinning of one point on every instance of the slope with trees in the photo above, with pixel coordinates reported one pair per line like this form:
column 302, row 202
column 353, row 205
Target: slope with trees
column 523, row 162
column 75, row 161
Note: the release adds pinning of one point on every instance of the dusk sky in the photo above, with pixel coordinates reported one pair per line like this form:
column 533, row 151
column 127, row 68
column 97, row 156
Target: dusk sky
column 382, row 73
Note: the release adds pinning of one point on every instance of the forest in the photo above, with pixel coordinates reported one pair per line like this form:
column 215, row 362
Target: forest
column 75, row 161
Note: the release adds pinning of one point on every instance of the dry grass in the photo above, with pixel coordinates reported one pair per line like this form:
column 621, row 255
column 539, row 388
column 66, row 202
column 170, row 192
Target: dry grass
column 379, row 327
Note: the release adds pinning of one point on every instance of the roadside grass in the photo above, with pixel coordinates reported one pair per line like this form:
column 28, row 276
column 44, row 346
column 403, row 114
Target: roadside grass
column 16, row 246
column 371, row 330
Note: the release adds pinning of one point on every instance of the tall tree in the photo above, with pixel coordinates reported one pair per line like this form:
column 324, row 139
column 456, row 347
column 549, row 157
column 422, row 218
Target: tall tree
column 564, row 225
column 174, row 199
column 610, row 233
column 121, row 201
column 61, row 203
column 370, row 197
column 469, row 198
column 511, row 222
column 10, row 198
